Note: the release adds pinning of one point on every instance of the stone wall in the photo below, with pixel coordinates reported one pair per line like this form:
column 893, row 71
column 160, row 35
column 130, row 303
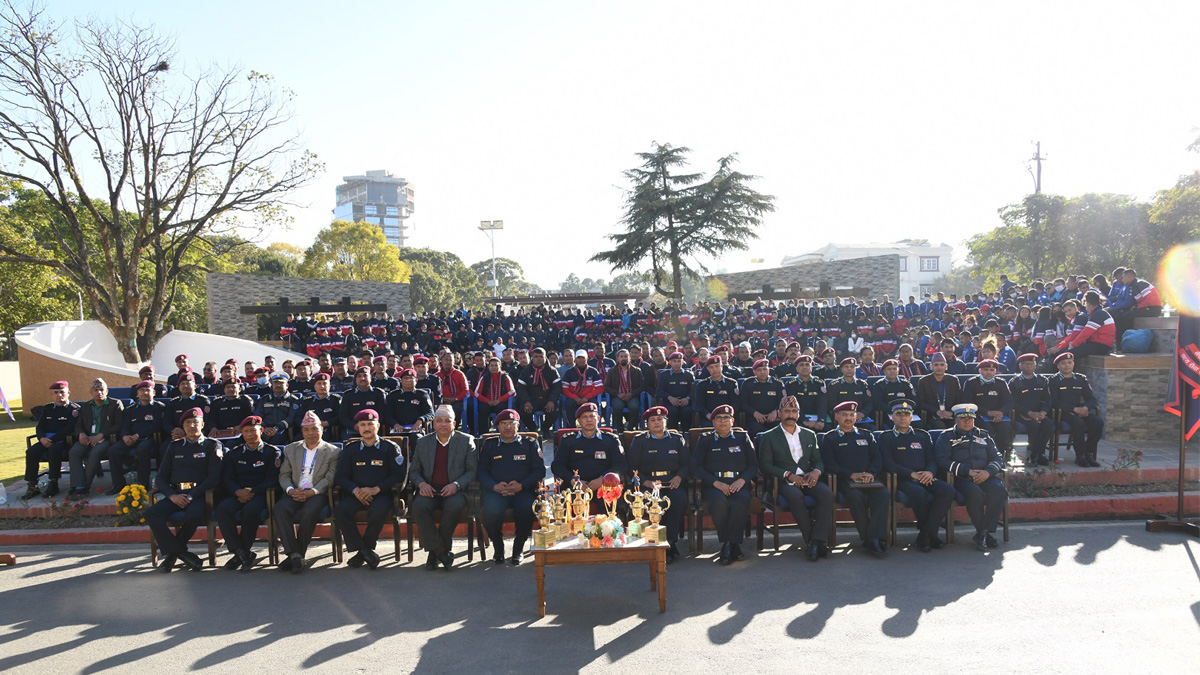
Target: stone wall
column 229, row 292
column 1131, row 401
column 880, row 275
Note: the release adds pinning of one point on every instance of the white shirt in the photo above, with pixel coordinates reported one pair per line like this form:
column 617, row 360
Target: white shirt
column 793, row 440
column 306, row 469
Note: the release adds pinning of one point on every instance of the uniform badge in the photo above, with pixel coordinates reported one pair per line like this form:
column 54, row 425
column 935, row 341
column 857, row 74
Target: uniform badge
column 672, row 451
column 399, row 460
column 916, row 445
column 518, row 458
column 377, row 462
column 600, row 454
column 149, row 418
column 278, row 462
column 360, row 464
column 496, row 457
column 258, row 464
column 198, row 455
column 75, row 413
column 735, row 448
column 862, row 441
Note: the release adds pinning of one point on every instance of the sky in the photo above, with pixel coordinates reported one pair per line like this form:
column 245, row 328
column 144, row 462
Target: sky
column 870, row 121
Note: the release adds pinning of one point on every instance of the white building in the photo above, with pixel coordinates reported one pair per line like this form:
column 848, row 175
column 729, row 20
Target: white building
column 920, row 262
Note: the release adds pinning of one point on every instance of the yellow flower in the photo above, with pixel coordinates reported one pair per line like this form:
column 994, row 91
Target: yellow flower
column 125, row 510
column 135, row 504
column 142, row 520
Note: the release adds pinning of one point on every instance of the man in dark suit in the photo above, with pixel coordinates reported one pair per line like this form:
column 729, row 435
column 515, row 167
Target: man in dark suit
column 790, row 454
column 443, row 464
column 99, row 422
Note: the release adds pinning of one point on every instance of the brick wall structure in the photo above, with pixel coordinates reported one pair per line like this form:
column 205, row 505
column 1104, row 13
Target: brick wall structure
column 227, row 293
column 879, row 275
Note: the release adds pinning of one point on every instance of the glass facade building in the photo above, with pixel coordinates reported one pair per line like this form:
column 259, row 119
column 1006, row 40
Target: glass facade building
column 379, row 198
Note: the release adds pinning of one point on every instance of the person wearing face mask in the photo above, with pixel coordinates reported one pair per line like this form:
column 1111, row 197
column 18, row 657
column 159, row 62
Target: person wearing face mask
column 992, row 397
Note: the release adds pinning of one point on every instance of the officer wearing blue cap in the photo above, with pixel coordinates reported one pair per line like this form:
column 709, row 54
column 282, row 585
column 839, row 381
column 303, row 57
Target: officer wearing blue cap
column 278, row 410
column 971, row 457
column 908, row 455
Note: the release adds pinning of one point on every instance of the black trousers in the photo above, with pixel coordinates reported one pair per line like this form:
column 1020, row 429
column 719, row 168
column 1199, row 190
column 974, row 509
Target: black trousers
column 729, row 513
column 377, row 514
column 929, row 504
column 34, row 456
column 492, row 511
column 1085, row 432
column 1039, row 435
column 438, row 538
column 673, row 518
column 157, row 516
column 120, row 456
column 528, row 423
column 985, row 502
column 814, row 523
column 289, row 512
column 869, row 507
column 1001, row 432
column 679, row 417
column 231, row 512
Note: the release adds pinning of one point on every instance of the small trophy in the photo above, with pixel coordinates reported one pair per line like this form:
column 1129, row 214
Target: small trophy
column 562, row 510
column 635, row 499
column 654, row 533
column 581, row 498
column 545, row 536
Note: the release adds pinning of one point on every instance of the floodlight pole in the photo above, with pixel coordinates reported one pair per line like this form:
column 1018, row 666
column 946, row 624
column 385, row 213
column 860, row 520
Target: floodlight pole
column 490, row 226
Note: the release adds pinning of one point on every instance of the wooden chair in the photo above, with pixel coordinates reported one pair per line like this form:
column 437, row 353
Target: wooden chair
column 474, row 513
column 776, row 505
column 959, row 500
column 1060, row 428
column 360, row 518
column 177, row 518
column 325, row 518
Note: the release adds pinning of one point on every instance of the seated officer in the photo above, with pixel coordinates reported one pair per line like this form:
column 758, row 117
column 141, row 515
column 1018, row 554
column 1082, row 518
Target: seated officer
column 850, row 388
column 851, row 454
column 828, row 369
column 1071, row 394
column 247, row 472
column 1032, row 406
column 53, row 432
column 367, row 468
column 810, row 393
column 908, row 454
column 510, row 470
column 674, row 392
column 278, row 410
column 191, row 466
column 426, row 380
column 323, row 403
column 994, row 401
column 185, row 401
column 409, row 410
column 725, row 463
column 142, row 420
column 443, row 465
column 890, row 389
column 760, row 397
column 970, row 455
column 306, row 475
column 228, row 411
column 361, row 397
column 589, row 453
column 661, row 456
column 715, row 390
column 789, row 453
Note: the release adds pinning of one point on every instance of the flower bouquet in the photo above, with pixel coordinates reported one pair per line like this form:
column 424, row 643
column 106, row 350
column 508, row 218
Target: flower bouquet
column 602, row 532
column 131, row 505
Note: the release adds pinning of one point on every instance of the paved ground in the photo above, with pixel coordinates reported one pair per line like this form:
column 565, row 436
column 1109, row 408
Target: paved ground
column 1079, row 597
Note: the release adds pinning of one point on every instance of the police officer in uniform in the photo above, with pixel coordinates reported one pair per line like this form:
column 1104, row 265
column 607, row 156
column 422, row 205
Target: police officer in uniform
column 142, row 421
column 994, row 402
column 426, row 380
column 247, row 472
column 53, row 431
column 191, row 466
column 790, row 454
column 851, row 454
column 971, row 456
column 661, row 456
column 589, row 451
column 725, row 462
column 510, row 469
column 810, row 393
column 367, row 468
column 1071, row 394
column 409, row 410
column 361, row 397
column 908, row 454
column 828, row 370
column 278, row 410
column 228, row 411
column 850, row 388
column 324, row 404
column 1032, row 405
column 715, row 390
column 176, row 407
column 674, row 392
column 890, row 389
column 760, row 397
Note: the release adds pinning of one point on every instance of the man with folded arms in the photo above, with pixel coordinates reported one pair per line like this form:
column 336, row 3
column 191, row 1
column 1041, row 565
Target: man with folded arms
column 191, row 466
column 247, row 472
column 367, row 468
column 789, row 453
column 851, row 454
column 306, row 475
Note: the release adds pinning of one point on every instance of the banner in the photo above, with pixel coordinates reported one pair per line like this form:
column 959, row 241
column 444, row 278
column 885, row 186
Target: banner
column 4, row 401
column 1183, row 392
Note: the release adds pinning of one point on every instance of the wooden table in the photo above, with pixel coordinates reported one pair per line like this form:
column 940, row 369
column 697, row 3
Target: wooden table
column 570, row 553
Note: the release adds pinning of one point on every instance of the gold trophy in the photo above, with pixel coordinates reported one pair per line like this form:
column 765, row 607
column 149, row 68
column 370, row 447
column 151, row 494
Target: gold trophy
column 562, row 511
column 654, row 533
column 546, row 535
column 635, row 499
column 581, row 498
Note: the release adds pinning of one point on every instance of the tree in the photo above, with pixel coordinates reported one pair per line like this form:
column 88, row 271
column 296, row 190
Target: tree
column 353, row 252
column 462, row 284
column 428, row 291
column 142, row 164
column 509, row 275
column 572, row 284
column 629, row 282
column 675, row 220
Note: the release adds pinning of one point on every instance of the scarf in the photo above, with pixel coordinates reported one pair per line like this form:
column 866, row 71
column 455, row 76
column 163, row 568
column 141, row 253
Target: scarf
column 626, row 385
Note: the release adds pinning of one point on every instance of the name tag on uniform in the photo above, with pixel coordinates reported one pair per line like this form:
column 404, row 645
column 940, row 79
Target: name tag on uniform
column 993, row 393
column 735, row 448
column 772, row 393
column 257, row 464
column 377, row 462
column 495, row 457
column 672, row 451
column 600, row 454
column 518, row 458
column 360, row 464
column 862, row 441
column 198, row 455
column 916, row 445
column 149, row 418
column 579, row 452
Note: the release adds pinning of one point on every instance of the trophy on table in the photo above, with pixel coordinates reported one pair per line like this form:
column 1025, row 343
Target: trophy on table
column 654, row 533
column 562, row 511
column 581, row 498
column 635, row 498
column 547, row 535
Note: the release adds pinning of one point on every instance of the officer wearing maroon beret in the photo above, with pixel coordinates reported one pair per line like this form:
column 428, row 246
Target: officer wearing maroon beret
column 143, row 420
column 760, row 397
column 54, row 428
column 1033, row 409
column 810, row 392
column 715, row 390
column 851, row 454
column 661, row 456
column 185, row 401
column 995, row 402
column 891, row 388
column 674, row 390
column 725, row 462
column 1071, row 394
column 850, row 388
column 589, row 451
column 510, row 469
column 324, row 404
column 191, row 466
column 247, row 472
column 363, row 396
column 367, row 468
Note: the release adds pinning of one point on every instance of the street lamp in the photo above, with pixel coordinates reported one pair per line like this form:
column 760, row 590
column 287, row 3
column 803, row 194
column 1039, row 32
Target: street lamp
column 490, row 226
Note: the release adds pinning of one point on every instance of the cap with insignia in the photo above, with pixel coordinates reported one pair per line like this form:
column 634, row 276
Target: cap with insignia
column 1064, row 355
column 507, row 415
column 891, row 362
column 848, row 406
column 320, row 377
column 989, row 363
column 61, row 384
column 804, row 359
column 362, row 370
column 849, row 361
column 366, row 414
column 1027, row 357
column 965, row 410
column 722, row 410
column 144, row 384
column 190, row 413
column 279, row 376
column 585, row 409
column 903, row 406
column 675, row 355
column 828, row 350
column 763, row 363
column 408, row 372
column 187, row 377
column 655, row 411
column 712, row 360
column 252, row 420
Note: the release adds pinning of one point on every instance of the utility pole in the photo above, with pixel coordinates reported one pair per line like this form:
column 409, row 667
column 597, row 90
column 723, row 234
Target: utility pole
column 1037, row 158
column 490, row 227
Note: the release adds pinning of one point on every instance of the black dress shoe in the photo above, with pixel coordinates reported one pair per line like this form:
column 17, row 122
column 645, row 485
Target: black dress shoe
column 248, row 560
column 736, row 552
column 726, row 556
column 297, row 563
column 166, row 564
column 356, row 560
column 876, row 549
column 372, row 559
column 991, row 541
column 814, row 551
column 923, row 543
column 1043, row 460
column 936, row 543
column 672, row 554
column 446, row 559
column 192, row 561
column 285, row 564
column 51, row 489
column 1082, row 461
column 824, row 549
column 498, row 556
column 1093, row 463
column 431, row 562
column 979, row 542
column 31, row 493
column 234, row 562
column 517, row 558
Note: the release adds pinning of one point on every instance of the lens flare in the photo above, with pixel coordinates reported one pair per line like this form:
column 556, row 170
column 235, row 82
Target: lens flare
column 1179, row 278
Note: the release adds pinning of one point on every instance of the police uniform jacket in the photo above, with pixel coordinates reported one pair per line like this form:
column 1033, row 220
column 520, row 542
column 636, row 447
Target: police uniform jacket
column 671, row 383
column 907, row 453
column 379, row 465
column 325, row 408
column 884, row 392
column 190, row 468
column 278, row 412
column 385, row 384
column 811, row 394
column 358, row 399
column 840, row 391
column 827, row 372
column 992, row 395
column 341, row 384
column 256, row 469
column 775, row 457
column 761, row 397
column 711, row 393
column 57, row 421
column 179, row 405
column 932, row 398
column 433, row 385
column 300, row 388
column 500, row 462
column 143, row 419
column 725, row 458
column 592, row 457
column 227, row 412
column 1072, row 392
column 407, row 407
column 961, row 452
column 1030, row 394
column 659, row 458
column 850, row 453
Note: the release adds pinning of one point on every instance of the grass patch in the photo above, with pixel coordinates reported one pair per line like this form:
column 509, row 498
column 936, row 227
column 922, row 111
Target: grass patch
column 12, row 443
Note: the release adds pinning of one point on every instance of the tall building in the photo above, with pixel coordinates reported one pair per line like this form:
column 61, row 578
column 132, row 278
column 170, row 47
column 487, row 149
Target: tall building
column 379, row 198
column 921, row 263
